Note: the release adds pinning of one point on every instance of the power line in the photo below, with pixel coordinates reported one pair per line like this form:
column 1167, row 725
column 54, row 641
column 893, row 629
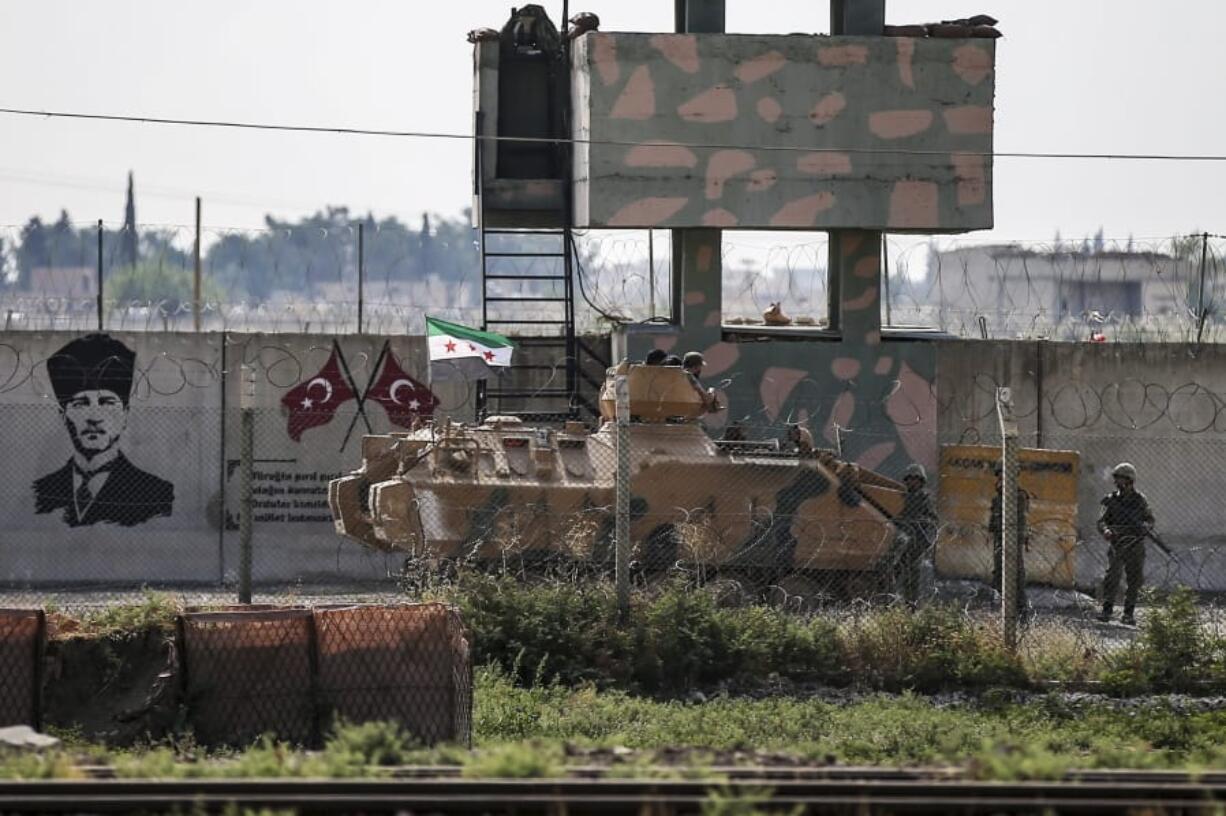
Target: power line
column 424, row 134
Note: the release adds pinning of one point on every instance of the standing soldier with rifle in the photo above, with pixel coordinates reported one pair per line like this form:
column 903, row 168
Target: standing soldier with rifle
column 918, row 523
column 1125, row 521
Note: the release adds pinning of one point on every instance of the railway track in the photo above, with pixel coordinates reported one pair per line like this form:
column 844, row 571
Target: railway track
column 876, row 793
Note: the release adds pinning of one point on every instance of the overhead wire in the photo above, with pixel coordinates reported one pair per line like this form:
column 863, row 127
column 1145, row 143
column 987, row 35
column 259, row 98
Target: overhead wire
column 426, row 134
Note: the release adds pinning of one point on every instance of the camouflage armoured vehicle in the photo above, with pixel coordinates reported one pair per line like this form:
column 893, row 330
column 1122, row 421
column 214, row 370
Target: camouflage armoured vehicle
column 742, row 509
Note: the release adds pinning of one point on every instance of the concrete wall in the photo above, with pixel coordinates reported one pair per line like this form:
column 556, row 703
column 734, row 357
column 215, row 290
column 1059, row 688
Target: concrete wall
column 1163, row 407
column 314, row 399
column 812, row 99
column 172, row 433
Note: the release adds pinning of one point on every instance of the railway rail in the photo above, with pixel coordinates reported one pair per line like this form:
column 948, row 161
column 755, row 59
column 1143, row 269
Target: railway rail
column 877, row 792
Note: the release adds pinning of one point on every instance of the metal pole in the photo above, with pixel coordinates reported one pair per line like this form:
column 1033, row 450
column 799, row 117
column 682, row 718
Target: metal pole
column 361, row 271
column 885, row 271
column 1039, row 373
column 196, row 273
column 1010, row 545
column 99, row 274
column 621, row 530
column 651, row 273
column 1200, row 309
column 246, row 454
column 222, row 477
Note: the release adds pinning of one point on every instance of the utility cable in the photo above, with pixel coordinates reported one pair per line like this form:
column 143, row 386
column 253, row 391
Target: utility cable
column 423, row 134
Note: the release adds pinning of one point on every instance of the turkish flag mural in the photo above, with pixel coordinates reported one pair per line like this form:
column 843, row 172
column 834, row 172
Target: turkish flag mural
column 403, row 397
column 313, row 402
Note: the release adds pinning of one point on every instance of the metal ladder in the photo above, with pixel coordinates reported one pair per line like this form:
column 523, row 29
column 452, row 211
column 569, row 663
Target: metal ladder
column 548, row 387
column 521, row 270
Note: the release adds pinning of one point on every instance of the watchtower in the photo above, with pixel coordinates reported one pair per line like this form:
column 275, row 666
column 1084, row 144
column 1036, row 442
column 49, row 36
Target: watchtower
column 867, row 130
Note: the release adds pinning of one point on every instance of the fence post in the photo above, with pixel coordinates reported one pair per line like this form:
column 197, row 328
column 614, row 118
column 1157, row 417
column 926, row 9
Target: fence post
column 246, row 455
column 196, row 273
column 361, row 274
column 1010, row 545
column 1200, row 301
column 621, row 531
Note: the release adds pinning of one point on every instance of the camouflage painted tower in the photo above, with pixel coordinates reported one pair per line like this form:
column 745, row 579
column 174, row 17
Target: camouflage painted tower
column 868, row 130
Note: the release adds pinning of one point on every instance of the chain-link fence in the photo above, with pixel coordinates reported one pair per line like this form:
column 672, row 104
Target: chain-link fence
column 332, row 273
column 108, row 497
column 22, row 633
column 296, row 671
column 771, row 516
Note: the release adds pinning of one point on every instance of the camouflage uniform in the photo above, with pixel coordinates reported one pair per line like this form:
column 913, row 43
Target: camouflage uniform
column 918, row 522
column 995, row 528
column 1127, row 515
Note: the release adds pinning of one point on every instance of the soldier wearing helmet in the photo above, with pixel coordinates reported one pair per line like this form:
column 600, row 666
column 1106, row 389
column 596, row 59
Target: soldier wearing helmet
column 692, row 363
column 918, row 525
column 1124, row 520
column 996, row 528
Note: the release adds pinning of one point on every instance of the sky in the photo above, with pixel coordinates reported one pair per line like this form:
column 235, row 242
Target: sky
column 1084, row 76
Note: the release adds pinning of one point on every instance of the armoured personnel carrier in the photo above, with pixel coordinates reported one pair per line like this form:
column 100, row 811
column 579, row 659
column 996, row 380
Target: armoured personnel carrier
column 742, row 509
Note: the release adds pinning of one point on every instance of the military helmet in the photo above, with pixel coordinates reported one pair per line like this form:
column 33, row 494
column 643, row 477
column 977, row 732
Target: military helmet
column 692, row 358
column 917, row 470
column 1126, row 470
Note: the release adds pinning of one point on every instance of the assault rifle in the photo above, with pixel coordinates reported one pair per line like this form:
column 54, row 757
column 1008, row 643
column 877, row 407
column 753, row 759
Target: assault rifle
column 1158, row 542
column 1162, row 545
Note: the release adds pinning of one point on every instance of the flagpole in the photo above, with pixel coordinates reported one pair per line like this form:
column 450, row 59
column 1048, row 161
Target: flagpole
column 360, row 413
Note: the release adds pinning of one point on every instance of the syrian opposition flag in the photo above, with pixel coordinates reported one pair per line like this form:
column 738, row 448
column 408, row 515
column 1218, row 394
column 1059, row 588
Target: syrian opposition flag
column 403, row 397
column 458, row 352
column 313, row 402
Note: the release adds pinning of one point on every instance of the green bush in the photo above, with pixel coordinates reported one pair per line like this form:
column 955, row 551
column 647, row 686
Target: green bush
column 1173, row 653
column 766, row 641
column 544, row 632
column 928, row 649
column 532, row 760
column 365, row 744
column 678, row 637
column 683, row 640
column 157, row 612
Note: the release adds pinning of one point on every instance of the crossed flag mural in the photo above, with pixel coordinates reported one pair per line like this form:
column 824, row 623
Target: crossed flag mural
column 314, row 402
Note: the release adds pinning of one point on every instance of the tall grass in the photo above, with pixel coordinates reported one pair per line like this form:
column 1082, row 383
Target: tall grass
column 680, row 637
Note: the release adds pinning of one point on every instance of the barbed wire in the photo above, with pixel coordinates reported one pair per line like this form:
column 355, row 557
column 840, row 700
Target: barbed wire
column 1126, row 290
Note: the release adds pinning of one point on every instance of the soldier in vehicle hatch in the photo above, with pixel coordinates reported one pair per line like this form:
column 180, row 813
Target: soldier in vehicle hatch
column 693, row 363
column 995, row 529
column 800, row 439
column 918, row 522
column 1125, row 521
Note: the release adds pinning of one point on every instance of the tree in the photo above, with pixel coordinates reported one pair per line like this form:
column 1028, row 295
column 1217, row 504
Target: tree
column 303, row 260
column 56, row 246
column 297, row 259
column 165, row 285
column 130, row 235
